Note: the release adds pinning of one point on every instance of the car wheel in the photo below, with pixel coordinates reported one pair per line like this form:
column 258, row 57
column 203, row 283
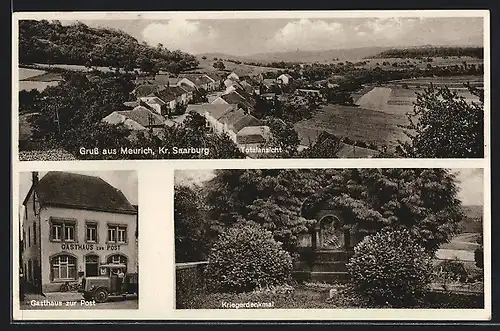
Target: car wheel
column 100, row 295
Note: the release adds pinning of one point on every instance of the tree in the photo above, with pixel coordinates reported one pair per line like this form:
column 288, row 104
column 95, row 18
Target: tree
column 189, row 225
column 219, row 65
column 284, row 136
column 326, row 146
column 424, row 201
column 444, row 125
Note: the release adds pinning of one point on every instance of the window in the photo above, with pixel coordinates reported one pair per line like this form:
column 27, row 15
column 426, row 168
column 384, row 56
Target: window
column 34, row 233
column 63, row 267
column 29, row 236
column 91, row 232
column 63, row 230
column 112, row 235
column 24, row 239
column 117, row 259
column 122, row 235
column 117, row 234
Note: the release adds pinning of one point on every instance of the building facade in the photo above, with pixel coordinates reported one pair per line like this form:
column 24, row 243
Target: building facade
column 72, row 224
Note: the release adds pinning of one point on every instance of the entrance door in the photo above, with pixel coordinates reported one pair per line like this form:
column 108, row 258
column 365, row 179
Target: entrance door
column 91, row 265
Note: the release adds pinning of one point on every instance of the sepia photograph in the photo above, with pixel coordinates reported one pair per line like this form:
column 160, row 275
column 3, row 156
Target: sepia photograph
column 78, row 240
column 385, row 238
column 102, row 87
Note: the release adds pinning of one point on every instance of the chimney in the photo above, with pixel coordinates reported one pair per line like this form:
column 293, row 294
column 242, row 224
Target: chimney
column 34, row 178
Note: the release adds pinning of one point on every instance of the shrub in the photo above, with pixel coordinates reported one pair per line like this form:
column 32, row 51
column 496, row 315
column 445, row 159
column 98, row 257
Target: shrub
column 453, row 270
column 246, row 257
column 390, row 268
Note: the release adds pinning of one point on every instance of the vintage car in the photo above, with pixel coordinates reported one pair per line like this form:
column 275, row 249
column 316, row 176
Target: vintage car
column 109, row 283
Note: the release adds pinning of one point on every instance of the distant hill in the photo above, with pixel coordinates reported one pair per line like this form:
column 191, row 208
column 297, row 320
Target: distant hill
column 431, row 51
column 352, row 54
column 473, row 218
column 78, row 44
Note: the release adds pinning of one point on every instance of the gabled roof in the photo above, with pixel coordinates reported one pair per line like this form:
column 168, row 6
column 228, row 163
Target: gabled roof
column 215, row 110
column 197, row 79
column 187, row 87
column 245, row 121
column 70, row 190
column 286, row 75
column 143, row 116
column 253, row 135
column 152, row 100
column 146, row 89
column 169, row 93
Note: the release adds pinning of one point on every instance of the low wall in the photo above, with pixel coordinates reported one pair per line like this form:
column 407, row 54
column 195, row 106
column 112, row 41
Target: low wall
column 189, row 281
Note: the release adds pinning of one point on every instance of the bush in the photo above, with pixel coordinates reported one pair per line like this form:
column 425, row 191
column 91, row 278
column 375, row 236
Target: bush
column 453, row 270
column 246, row 257
column 390, row 268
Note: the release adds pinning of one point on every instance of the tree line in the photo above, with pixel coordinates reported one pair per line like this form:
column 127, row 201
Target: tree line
column 53, row 43
column 420, row 52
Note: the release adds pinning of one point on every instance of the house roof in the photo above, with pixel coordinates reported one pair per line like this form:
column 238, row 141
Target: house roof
column 197, row 79
column 187, row 87
column 268, row 81
column 286, row 75
column 166, row 80
column 215, row 110
column 215, row 76
column 143, row 116
column 78, row 191
column 253, row 135
column 131, row 104
column 245, row 121
column 169, row 93
column 153, row 100
column 146, row 89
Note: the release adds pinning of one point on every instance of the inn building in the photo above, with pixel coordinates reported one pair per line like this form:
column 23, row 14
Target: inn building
column 73, row 223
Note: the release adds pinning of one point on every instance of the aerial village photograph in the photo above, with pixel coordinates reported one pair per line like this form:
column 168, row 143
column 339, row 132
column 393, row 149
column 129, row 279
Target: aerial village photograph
column 78, row 240
column 258, row 87
column 329, row 238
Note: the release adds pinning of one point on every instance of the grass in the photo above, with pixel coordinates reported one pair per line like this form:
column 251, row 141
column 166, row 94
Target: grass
column 309, row 297
column 353, row 122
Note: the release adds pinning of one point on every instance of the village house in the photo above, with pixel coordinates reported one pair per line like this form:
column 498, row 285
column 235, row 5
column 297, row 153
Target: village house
column 238, row 97
column 72, row 224
column 235, row 122
column 152, row 103
column 198, row 81
column 174, row 95
column 284, row 79
column 139, row 119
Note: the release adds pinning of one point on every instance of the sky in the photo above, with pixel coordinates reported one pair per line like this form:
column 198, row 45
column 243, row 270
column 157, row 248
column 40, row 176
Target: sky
column 470, row 182
column 252, row 36
column 125, row 181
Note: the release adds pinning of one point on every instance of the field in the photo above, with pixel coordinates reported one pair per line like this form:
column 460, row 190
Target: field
column 40, row 86
column 25, row 73
column 355, row 123
column 206, row 65
column 30, row 79
column 397, row 97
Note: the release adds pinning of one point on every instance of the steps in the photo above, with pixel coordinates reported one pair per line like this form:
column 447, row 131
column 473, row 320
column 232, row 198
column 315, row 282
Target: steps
column 324, row 266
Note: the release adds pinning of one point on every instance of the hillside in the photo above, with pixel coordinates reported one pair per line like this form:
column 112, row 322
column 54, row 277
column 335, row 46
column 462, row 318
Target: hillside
column 431, row 51
column 352, row 54
column 51, row 42
column 473, row 219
